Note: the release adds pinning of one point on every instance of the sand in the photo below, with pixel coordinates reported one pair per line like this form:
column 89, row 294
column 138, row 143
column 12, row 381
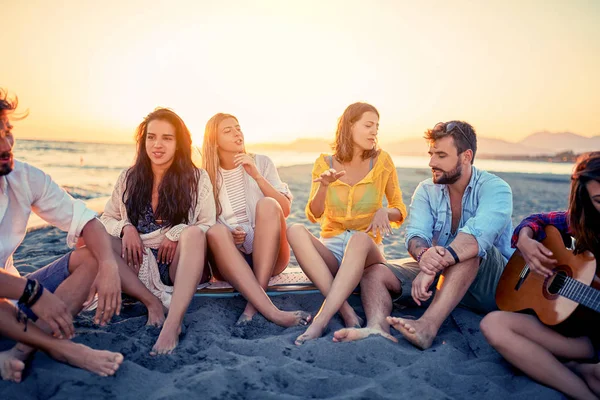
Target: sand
column 216, row 360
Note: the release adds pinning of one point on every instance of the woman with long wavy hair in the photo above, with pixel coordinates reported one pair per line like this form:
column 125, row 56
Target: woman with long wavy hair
column 158, row 214
column 248, row 245
column 561, row 356
column 346, row 199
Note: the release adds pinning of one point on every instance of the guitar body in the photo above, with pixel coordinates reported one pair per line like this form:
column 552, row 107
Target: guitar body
column 518, row 292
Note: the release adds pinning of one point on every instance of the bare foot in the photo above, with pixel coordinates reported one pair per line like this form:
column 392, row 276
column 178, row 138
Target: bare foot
column 314, row 331
column 352, row 321
column 12, row 363
column 292, row 318
column 100, row 362
column 418, row 332
column 352, row 334
column 156, row 315
column 167, row 341
column 243, row 319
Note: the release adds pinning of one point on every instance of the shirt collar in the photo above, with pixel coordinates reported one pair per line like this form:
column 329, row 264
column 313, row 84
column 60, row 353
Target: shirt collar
column 3, row 185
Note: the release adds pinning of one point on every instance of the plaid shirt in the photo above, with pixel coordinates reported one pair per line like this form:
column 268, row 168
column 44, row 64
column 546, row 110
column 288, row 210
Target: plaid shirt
column 537, row 223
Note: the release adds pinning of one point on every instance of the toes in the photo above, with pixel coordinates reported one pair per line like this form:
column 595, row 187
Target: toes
column 341, row 334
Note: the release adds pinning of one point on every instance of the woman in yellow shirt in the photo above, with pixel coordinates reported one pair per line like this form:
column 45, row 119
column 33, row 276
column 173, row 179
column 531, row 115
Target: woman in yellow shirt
column 346, row 199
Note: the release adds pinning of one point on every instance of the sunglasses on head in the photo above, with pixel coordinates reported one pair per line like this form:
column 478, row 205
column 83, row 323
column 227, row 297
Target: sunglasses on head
column 450, row 126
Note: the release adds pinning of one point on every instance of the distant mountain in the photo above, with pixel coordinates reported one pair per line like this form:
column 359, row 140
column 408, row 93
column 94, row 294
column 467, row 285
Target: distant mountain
column 536, row 144
column 562, row 141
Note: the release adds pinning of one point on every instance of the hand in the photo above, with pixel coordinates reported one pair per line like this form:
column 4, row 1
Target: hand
column 166, row 251
column 239, row 235
column 420, row 287
column 536, row 255
column 432, row 261
column 248, row 163
column 329, row 176
column 132, row 248
column 108, row 286
column 51, row 309
column 380, row 225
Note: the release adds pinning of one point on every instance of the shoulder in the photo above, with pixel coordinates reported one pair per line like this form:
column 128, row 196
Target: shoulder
column 24, row 172
column 385, row 160
column 486, row 179
column 322, row 162
column 261, row 159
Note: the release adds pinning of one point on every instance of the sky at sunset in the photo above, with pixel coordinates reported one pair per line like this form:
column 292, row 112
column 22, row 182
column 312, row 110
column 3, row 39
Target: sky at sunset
column 92, row 70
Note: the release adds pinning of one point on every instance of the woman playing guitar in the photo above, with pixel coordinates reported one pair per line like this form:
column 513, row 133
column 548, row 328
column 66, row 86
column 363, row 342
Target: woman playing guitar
column 540, row 351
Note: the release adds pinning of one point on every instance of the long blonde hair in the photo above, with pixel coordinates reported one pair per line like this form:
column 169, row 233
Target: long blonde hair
column 210, row 154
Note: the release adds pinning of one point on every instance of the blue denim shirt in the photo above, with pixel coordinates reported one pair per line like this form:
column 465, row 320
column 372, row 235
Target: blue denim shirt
column 486, row 213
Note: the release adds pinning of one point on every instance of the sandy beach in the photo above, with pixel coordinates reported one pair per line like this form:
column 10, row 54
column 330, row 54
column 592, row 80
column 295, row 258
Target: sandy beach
column 216, row 360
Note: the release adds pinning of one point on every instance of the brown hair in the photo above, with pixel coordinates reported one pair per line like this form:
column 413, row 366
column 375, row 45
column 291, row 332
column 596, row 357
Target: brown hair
column 177, row 193
column 343, row 147
column 584, row 218
column 463, row 140
column 9, row 105
column 210, row 155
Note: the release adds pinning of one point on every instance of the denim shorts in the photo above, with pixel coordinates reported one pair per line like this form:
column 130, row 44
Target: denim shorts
column 337, row 244
column 50, row 276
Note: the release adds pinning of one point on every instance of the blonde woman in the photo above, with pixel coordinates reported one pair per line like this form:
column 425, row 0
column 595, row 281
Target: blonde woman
column 248, row 244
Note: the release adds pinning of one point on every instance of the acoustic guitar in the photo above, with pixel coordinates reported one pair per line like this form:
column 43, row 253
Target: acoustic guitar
column 555, row 298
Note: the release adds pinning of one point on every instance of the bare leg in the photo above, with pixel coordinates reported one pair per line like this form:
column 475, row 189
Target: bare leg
column 456, row 281
column 73, row 292
column 360, row 253
column 375, row 287
column 237, row 272
column 186, row 271
column 271, row 252
column 320, row 265
column 131, row 285
column 103, row 363
column 533, row 348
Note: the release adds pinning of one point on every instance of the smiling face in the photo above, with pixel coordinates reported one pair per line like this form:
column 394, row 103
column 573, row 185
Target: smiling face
column 364, row 131
column 161, row 142
column 230, row 138
column 7, row 142
column 446, row 164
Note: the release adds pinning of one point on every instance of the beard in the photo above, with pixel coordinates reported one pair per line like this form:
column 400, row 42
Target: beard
column 449, row 177
column 6, row 168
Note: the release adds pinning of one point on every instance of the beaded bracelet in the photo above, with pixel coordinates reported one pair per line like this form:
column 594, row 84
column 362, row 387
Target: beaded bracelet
column 418, row 258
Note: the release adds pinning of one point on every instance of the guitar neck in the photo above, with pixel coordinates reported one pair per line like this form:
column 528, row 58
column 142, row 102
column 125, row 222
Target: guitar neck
column 581, row 293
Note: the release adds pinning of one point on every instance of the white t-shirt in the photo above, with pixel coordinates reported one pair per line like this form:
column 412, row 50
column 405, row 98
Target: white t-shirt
column 233, row 196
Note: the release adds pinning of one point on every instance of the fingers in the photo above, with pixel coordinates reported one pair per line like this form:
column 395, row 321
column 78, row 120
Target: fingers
column 129, row 256
column 160, row 254
column 123, row 250
column 65, row 324
column 413, row 293
column 91, row 294
column 338, row 175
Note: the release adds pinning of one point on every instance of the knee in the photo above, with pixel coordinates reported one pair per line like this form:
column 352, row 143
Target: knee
column 375, row 273
column 493, row 326
column 84, row 259
column 360, row 239
column 193, row 234
column 216, row 233
column 295, row 231
column 267, row 207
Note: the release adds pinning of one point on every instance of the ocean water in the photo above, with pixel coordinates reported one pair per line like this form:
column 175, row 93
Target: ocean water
column 89, row 170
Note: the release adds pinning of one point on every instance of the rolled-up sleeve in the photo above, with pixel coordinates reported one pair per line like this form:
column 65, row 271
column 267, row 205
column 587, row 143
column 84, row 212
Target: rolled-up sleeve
column 492, row 216
column 420, row 220
column 114, row 216
column 393, row 195
column 316, row 172
column 55, row 206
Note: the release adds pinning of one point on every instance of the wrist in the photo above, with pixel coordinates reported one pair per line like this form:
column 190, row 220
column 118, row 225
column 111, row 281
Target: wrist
column 451, row 255
column 420, row 253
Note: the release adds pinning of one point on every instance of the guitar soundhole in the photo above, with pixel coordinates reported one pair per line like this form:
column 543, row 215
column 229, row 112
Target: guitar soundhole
column 558, row 282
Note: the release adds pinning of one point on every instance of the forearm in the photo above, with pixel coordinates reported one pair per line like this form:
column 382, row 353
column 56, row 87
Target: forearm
column 317, row 203
column 416, row 246
column 98, row 242
column 465, row 246
column 394, row 215
column 11, row 287
column 269, row 191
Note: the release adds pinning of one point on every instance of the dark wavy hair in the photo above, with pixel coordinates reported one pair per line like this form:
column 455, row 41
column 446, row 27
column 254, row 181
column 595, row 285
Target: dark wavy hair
column 343, row 146
column 9, row 104
column 584, row 218
column 465, row 138
column 178, row 190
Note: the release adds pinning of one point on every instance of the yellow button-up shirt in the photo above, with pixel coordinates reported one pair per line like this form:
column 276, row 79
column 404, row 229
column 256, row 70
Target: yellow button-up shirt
column 353, row 207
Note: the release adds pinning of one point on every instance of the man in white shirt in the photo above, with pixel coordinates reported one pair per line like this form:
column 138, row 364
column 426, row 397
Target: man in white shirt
column 58, row 291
